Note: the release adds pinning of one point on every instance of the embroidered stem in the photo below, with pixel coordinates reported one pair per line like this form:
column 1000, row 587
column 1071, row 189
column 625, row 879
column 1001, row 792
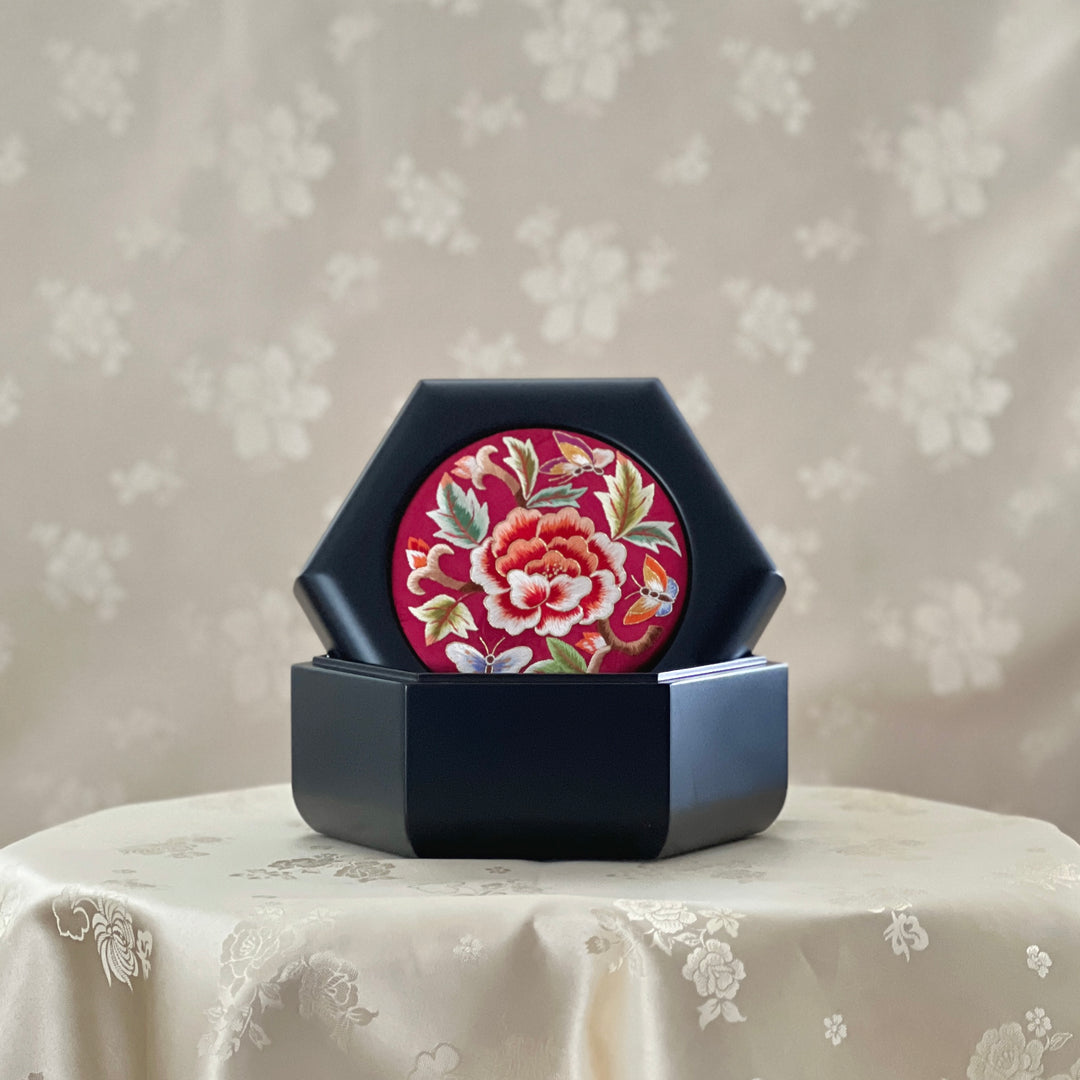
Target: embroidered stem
column 631, row 648
column 597, row 660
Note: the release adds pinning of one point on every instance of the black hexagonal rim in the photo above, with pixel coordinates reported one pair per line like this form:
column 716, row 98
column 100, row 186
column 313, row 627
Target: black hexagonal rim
column 345, row 586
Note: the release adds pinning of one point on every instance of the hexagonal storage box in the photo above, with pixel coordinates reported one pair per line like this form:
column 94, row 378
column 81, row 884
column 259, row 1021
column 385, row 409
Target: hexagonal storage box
column 539, row 602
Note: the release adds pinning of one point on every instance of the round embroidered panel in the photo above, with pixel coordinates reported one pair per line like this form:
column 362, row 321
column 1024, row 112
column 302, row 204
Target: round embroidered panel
column 539, row 551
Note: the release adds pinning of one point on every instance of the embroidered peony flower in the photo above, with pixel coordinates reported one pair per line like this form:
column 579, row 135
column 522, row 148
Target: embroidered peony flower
column 114, row 937
column 1005, row 1054
column 548, row 572
column 714, row 969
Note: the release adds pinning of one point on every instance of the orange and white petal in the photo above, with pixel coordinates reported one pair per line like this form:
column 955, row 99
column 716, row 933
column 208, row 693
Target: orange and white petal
column 482, row 569
column 565, row 593
column 519, row 554
column 519, row 524
column 601, row 601
column 504, row 616
column 612, row 556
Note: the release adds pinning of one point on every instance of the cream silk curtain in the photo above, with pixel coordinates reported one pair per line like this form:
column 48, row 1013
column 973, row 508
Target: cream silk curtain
column 844, row 232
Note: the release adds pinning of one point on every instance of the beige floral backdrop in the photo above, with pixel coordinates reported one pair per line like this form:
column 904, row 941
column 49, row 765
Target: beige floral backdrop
column 846, row 233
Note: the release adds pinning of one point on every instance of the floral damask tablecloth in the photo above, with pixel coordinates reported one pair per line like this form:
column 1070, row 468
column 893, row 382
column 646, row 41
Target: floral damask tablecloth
column 865, row 935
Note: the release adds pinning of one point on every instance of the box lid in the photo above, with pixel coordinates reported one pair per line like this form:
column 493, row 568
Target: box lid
column 539, row 525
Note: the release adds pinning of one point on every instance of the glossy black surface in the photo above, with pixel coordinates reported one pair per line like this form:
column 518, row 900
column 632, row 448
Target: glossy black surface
column 633, row 766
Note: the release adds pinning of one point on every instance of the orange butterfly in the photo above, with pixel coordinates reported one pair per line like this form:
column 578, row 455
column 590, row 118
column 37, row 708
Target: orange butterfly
column 657, row 594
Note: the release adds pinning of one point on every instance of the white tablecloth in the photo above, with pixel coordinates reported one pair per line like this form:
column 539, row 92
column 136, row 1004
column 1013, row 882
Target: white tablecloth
column 865, row 935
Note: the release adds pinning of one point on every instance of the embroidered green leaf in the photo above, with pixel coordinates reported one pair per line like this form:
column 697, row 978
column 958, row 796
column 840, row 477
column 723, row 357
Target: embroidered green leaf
column 461, row 518
column 523, row 460
column 443, row 615
column 553, row 497
column 566, row 655
column 545, row 667
column 626, row 501
column 565, row 660
column 652, row 535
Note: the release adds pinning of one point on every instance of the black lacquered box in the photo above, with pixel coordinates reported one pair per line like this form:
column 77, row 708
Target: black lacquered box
column 539, row 602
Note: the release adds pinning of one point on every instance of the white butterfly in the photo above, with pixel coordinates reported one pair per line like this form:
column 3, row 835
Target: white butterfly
column 473, row 662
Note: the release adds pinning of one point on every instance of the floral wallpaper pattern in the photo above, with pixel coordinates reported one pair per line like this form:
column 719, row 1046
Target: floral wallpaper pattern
column 238, row 235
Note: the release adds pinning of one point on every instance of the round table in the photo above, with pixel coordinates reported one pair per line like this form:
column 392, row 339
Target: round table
column 864, row 935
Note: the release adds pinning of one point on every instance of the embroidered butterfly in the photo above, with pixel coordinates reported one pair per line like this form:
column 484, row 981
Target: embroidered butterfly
column 472, row 661
column 576, row 458
column 657, row 594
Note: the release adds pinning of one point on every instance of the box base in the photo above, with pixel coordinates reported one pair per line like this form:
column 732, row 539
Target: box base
column 637, row 766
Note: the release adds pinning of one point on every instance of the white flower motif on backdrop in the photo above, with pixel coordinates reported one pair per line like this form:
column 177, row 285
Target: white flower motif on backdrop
column 477, row 359
column 1027, row 505
column 454, row 7
column 770, row 322
column 835, row 1029
column 61, row 796
column 10, row 398
column 1069, row 173
column 694, row 399
column 791, row 551
column 12, row 160
column 158, row 479
column 768, row 83
column 86, row 324
column 82, row 567
column 140, row 731
column 429, row 208
column 585, row 45
column 585, row 280
column 960, row 631
column 140, row 9
column 347, row 32
column 354, row 275
column 267, row 397
column 149, row 237
column 842, row 11
column 837, row 235
column 93, row 84
column 942, row 161
column 689, row 166
column 480, row 118
column 7, row 646
column 1049, row 742
column 266, row 636
column 843, row 476
column 949, row 394
column 1072, row 415
column 1039, row 961
column 840, row 718
column 273, row 161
